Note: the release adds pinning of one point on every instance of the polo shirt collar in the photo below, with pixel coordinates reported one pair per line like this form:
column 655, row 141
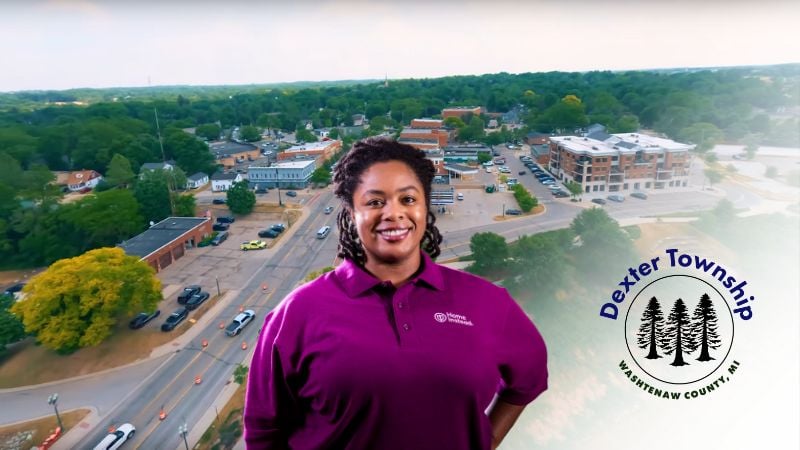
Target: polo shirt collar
column 355, row 280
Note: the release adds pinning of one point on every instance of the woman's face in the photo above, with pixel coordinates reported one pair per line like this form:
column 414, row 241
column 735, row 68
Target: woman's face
column 389, row 212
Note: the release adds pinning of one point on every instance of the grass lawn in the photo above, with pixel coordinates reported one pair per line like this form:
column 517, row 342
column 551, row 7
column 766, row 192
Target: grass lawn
column 228, row 421
column 27, row 435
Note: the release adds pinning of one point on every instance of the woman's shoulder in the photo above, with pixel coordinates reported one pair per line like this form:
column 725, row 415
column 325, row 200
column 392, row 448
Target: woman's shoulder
column 461, row 280
column 311, row 294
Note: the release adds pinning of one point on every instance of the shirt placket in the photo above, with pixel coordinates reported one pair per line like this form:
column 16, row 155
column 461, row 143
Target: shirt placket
column 403, row 316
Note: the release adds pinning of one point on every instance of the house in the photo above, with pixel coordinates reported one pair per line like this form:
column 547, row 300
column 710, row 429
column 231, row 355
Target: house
column 359, row 120
column 166, row 165
column 197, row 180
column 222, row 181
column 83, row 179
column 285, row 174
column 321, row 151
column 492, row 123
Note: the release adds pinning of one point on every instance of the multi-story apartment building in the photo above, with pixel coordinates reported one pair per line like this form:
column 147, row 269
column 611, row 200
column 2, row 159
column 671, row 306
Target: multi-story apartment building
column 602, row 162
column 285, row 174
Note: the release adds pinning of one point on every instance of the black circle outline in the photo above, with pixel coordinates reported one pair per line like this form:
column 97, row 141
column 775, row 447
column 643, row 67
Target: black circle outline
column 721, row 361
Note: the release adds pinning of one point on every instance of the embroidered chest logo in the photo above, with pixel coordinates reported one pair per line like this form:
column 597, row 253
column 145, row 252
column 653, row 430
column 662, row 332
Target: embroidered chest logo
column 452, row 318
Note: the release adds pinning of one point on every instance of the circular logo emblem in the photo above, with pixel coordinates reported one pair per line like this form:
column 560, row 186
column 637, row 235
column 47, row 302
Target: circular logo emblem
column 679, row 329
column 440, row 317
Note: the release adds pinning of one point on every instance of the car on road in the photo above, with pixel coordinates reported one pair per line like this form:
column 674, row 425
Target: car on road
column 197, row 300
column 226, row 219
column 219, row 238
column 269, row 233
column 218, row 201
column 279, row 227
column 174, row 319
column 116, row 438
column 257, row 244
column 141, row 319
column 521, row 172
column 488, row 170
column 616, row 198
column 220, row 226
column 639, row 195
column 187, row 293
column 513, row 212
column 460, row 196
column 291, row 194
column 239, row 322
column 599, row 201
column 328, row 209
column 323, row 232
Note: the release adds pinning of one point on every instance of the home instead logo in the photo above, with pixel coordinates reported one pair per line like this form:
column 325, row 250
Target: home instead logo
column 679, row 328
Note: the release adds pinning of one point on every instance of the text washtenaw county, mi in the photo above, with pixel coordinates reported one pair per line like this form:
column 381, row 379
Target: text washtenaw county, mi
column 610, row 309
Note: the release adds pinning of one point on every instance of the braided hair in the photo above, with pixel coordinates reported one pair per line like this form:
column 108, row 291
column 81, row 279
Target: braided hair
column 347, row 176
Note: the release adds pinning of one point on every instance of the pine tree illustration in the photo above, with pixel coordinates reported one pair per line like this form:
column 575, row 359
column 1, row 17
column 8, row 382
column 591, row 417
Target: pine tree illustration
column 677, row 334
column 704, row 328
column 651, row 331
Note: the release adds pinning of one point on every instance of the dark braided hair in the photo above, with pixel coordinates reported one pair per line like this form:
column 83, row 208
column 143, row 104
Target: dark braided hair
column 347, row 176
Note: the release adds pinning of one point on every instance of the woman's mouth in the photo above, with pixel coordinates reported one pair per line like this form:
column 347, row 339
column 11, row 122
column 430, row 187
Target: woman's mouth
column 394, row 234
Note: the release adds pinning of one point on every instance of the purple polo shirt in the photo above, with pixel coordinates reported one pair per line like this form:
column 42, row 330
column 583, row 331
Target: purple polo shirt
column 349, row 362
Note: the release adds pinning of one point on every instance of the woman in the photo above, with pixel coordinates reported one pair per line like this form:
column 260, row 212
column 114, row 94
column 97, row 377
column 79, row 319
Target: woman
column 391, row 350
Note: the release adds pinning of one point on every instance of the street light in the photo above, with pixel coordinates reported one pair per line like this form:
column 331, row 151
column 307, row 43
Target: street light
column 183, row 430
column 53, row 400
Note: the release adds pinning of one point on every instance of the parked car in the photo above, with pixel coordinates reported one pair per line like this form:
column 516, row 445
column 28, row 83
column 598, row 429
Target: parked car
column 460, row 196
column 291, row 194
column 488, row 170
column 261, row 190
column 116, row 438
column 253, row 245
column 616, row 198
column 220, row 226
column 197, row 300
column 640, row 195
column 239, row 322
column 141, row 319
column 548, row 181
column 560, row 194
column 513, row 212
column 218, row 201
column 219, row 238
column 187, row 293
column 599, row 201
column 279, row 227
column 14, row 289
column 226, row 219
column 521, row 172
column 269, row 233
column 174, row 319
column 328, row 209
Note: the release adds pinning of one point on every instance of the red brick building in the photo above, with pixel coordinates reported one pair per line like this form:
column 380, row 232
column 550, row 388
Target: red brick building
column 166, row 241
column 461, row 111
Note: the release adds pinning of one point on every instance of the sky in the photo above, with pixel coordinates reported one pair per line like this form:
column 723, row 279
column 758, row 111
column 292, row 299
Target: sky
column 62, row 44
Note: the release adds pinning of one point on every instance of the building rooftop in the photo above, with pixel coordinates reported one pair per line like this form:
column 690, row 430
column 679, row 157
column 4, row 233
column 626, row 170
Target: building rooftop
column 224, row 176
column 223, row 149
column 159, row 235
column 293, row 164
column 311, row 146
column 619, row 143
column 197, row 177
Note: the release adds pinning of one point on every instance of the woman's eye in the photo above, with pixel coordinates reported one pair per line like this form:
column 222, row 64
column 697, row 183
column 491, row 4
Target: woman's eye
column 409, row 200
column 375, row 203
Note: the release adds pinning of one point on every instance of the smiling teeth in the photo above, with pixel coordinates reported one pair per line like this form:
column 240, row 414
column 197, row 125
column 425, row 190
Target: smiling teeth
column 393, row 232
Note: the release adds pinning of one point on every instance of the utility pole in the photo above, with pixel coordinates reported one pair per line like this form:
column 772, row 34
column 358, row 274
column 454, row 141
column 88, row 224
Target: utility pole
column 171, row 177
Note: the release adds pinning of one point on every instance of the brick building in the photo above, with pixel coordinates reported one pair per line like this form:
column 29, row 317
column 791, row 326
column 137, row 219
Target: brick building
column 166, row 241
column 320, row 151
column 621, row 162
column 228, row 154
column 461, row 111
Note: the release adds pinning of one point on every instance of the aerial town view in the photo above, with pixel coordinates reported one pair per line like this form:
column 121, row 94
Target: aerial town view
column 174, row 188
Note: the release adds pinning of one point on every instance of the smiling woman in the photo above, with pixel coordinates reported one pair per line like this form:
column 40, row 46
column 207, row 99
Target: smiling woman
column 390, row 341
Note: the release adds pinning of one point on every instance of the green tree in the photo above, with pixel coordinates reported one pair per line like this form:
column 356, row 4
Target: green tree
column 703, row 134
column 209, row 131
column 77, row 302
column 321, row 175
column 751, row 143
column 119, row 171
column 454, row 122
column 473, row 131
column 539, row 265
column 11, row 328
column 240, row 374
column 574, row 188
column 191, row 154
column 152, row 193
column 713, row 176
column 601, row 240
column 484, row 157
column 241, row 199
column 185, row 205
column 100, row 220
column 304, row 135
column 249, row 133
column 489, row 252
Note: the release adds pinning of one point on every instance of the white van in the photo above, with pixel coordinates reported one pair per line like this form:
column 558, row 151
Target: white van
column 323, row 232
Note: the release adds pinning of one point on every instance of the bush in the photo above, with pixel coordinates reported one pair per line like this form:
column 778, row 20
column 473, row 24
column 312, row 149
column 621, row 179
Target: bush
column 524, row 198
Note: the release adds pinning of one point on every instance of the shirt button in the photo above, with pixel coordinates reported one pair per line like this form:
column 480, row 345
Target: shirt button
column 406, row 326
column 401, row 305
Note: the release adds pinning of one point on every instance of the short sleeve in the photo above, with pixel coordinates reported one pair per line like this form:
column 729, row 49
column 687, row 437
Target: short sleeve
column 269, row 402
column 523, row 357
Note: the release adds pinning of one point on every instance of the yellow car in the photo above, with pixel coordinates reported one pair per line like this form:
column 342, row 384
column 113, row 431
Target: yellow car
column 253, row 245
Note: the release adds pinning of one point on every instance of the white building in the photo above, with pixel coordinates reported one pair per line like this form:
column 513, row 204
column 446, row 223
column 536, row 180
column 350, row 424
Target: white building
column 222, row 181
column 287, row 174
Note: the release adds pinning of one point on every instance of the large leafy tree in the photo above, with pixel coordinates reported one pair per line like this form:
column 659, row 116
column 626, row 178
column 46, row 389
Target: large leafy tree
column 651, row 331
column 250, row 133
column 601, row 240
column 103, row 219
column 120, row 172
column 77, row 302
column 489, row 252
column 11, row 328
column 241, row 199
column 677, row 337
column 152, row 193
column 208, row 131
column 539, row 264
column 191, row 154
column 704, row 328
column 574, row 188
column 321, row 175
column 185, row 205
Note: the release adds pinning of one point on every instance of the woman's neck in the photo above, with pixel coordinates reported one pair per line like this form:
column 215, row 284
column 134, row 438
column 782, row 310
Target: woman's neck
column 398, row 274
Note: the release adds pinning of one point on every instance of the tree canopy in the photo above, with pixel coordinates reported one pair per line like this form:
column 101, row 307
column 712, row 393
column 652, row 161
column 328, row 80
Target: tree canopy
column 77, row 301
column 241, row 199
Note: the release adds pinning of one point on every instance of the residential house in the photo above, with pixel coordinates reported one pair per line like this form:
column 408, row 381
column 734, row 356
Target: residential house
column 284, row 174
column 359, row 120
column 197, row 180
column 222, row 181
column 83, row 179
column 149, row 167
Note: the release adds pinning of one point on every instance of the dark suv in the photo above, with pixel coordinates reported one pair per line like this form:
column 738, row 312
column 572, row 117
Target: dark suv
column 196, row 300
column 174, row 319
column 142, row 319
column 187, row 293
column 226, row 219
